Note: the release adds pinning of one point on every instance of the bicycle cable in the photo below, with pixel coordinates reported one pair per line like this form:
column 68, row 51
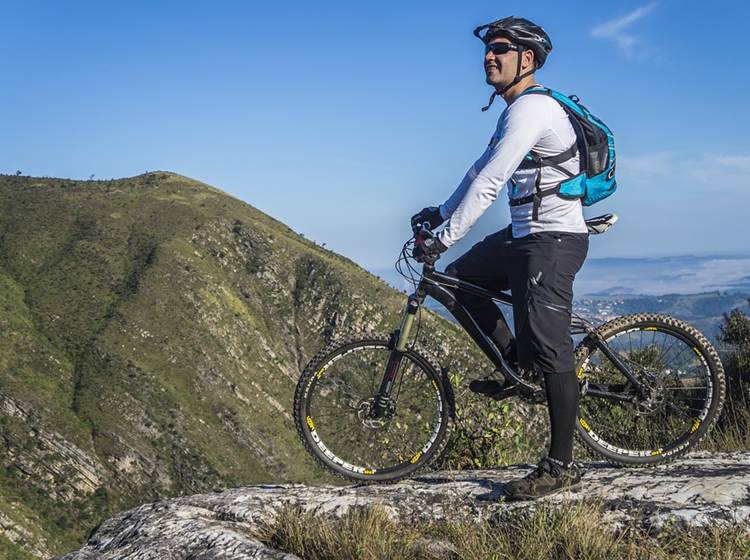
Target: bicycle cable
column 404, row 268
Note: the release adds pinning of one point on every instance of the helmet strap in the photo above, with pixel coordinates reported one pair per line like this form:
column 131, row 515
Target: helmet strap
column 515, row 80
column 491, row 101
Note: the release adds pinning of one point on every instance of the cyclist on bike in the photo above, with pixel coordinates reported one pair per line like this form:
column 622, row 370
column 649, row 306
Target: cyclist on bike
column 538, row 255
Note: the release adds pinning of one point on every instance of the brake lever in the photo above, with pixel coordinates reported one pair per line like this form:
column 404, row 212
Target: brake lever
column 422, row 233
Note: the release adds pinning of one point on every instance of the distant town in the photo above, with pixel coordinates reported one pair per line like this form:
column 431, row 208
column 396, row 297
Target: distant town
column 597, row 310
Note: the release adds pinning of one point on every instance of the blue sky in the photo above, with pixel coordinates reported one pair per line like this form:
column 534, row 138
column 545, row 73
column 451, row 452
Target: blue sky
column 342, row 119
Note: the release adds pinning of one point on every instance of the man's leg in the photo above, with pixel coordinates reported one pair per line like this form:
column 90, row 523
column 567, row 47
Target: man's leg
column 546, row 265
column 562, row 398
column 483, row 265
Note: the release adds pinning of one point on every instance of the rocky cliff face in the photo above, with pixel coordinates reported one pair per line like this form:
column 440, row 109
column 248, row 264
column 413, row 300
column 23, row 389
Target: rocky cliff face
column 694, row 491
column 151, row 334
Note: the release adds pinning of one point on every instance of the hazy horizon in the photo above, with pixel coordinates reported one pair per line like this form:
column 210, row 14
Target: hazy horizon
column 653, row 276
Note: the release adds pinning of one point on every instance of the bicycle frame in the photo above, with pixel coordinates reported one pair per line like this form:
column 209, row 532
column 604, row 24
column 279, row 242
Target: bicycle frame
column 444, row 288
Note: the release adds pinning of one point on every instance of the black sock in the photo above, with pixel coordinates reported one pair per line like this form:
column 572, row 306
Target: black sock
column 562, row 400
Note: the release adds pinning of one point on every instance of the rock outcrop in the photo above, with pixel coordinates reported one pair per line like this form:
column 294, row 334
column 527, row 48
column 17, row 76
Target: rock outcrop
column 700, row 489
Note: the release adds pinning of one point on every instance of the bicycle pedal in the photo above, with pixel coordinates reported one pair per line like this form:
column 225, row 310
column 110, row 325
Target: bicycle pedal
column 534, row 396
column 538, row 397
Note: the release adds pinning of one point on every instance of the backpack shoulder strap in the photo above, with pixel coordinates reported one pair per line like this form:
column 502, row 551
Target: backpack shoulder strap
column 536, row 88
column 533, row 160
column 569, row 104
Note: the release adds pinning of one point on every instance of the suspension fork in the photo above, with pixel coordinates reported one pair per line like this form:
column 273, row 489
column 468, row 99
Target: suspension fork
column 399, row 340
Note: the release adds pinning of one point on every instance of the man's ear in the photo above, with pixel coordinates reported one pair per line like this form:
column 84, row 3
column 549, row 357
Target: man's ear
column 528, row 59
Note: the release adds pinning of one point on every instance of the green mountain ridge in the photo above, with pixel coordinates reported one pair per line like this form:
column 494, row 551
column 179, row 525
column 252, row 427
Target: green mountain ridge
column 152, row 330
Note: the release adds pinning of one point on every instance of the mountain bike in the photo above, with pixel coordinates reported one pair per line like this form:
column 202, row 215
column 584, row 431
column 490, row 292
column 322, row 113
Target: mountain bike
column 378, row 407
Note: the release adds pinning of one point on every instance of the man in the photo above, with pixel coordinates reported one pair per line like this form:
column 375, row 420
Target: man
column 538, row 256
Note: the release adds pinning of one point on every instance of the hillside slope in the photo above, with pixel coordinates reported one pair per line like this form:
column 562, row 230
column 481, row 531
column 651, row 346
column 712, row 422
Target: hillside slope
column 151, row 333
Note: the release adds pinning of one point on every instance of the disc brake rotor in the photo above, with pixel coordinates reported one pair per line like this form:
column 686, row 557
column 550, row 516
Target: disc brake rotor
column 653, row 400
column 365, row 411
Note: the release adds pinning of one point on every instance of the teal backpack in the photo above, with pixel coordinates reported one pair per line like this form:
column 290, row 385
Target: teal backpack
column 596, row 145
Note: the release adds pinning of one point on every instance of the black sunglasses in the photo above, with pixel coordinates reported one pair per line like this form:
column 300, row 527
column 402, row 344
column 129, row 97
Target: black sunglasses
column 500, row 48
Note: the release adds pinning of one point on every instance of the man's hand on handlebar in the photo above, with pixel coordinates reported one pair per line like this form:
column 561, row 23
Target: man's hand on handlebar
column 427, row 246
column 431, row 215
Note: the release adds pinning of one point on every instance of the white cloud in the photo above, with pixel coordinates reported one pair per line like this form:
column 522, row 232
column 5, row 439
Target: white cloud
column 706, row 172
column 741, row 163
column 649, row 164
column 616, row 30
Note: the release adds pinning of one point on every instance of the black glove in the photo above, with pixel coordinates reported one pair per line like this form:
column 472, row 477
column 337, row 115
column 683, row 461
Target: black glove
column 431, row 214
column 428, row 250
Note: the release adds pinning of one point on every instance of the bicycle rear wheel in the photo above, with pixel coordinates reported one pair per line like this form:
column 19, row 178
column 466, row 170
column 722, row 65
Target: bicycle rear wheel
column 685, row 388
column 335, row 397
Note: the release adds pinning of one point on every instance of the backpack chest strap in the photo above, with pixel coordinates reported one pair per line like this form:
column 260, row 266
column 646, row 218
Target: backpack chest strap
column 535, row 161
column 536, row 198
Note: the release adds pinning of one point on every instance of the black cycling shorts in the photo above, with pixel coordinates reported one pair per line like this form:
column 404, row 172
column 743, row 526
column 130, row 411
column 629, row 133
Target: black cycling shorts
column 539, row 269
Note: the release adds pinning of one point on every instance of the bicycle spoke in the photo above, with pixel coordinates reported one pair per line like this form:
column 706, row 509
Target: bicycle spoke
column 663, row 342
column 681, row 352
column 335, row 407
column 675, row 341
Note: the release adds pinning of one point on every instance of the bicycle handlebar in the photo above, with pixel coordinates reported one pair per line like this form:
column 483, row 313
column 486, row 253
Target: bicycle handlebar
column 422, row 232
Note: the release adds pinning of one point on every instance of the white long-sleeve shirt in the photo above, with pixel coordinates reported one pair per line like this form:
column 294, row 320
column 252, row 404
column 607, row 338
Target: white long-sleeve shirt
column 532, row 121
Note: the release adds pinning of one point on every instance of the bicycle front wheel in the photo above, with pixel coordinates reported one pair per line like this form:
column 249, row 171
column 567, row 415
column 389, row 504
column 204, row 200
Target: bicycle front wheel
column 334, row 401
column 681, row 395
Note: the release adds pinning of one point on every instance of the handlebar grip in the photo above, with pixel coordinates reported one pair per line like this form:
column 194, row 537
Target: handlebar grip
column 423, row 233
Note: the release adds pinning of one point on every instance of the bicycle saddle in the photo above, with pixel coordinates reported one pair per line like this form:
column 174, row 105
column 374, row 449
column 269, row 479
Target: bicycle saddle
column 600, row 224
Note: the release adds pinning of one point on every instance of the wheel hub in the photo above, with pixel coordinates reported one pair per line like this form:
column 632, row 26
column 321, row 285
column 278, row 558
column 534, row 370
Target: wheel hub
column 366, row 412
column 654, row 396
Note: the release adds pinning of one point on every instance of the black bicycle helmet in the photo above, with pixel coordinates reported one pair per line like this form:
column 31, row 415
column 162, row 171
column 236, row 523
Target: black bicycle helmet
column 520, row 31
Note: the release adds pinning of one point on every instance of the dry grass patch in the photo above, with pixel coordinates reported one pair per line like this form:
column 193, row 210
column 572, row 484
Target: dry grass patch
column 572, row 531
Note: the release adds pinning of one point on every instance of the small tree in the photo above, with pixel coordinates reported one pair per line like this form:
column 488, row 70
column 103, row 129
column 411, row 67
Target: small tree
column 734, row 424
column 735, row 332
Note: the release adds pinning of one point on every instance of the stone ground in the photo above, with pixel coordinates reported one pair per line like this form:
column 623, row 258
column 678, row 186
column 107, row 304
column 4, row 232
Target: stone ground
column 699, row 489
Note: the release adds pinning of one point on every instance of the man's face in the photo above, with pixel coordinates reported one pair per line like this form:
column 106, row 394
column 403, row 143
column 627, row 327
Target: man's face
column 500, row 68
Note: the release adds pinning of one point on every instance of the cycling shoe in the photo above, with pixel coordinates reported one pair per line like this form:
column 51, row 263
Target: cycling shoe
column 493, row 388
column 486, row 386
